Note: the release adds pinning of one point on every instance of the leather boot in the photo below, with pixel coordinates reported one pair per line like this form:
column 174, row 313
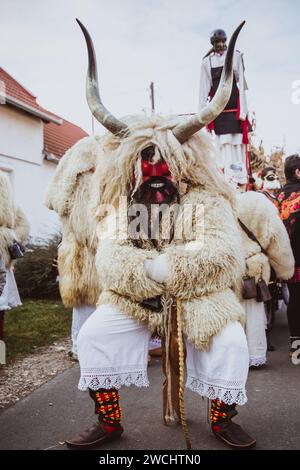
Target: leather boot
column 93, row 436
column 108, row 409
column 230, row 432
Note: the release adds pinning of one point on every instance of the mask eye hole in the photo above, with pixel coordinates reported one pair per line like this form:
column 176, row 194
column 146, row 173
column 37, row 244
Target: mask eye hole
column 148, row 153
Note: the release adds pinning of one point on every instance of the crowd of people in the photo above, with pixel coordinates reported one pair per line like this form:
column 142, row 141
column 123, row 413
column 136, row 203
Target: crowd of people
column 286, row 200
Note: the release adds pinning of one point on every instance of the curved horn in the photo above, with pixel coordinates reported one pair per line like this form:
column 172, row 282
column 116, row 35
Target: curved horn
column 92, row 92
column 209, row 113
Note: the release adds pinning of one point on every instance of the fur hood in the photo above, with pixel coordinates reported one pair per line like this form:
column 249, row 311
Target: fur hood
column 261, row 216
column 79, row 159
column 118, row 171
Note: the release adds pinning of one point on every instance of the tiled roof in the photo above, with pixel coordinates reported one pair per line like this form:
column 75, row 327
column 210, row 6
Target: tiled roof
column 58, row 139
column 16, row 90
column 17, row 95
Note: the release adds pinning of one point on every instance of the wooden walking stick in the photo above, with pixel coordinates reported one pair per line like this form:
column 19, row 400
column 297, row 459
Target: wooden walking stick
column 173, row 369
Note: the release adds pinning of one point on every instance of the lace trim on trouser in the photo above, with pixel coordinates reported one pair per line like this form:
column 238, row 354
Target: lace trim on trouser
column 113, row 377
column 257, row 360
column 229, row 392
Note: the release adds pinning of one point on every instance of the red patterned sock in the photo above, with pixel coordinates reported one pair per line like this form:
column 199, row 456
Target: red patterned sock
column 218, row 412
column 107, row 407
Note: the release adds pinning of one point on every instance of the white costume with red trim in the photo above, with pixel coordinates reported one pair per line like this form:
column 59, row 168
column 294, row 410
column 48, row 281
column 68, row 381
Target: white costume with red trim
column 232, row 159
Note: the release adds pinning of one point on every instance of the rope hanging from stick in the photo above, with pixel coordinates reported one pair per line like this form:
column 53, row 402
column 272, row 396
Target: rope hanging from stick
column 179, row 311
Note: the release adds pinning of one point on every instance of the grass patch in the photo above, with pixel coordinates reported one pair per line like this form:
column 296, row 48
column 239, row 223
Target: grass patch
column 36, row 323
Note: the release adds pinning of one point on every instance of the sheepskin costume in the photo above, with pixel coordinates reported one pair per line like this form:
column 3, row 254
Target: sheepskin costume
column 13, row 226
column 167, row 230
column 261, row 217
column 203, row 273
column 68, row 195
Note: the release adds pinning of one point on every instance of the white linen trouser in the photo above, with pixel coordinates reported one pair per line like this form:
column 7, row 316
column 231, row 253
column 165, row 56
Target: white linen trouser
column 113, row 350
column 10, row 296
column 256, row 325
column 79, row 317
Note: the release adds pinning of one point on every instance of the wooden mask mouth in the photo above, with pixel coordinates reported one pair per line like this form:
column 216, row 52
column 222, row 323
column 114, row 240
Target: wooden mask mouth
column 156, row 190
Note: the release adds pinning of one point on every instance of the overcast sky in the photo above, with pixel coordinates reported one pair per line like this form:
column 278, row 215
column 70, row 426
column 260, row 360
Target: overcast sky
column 139, row 41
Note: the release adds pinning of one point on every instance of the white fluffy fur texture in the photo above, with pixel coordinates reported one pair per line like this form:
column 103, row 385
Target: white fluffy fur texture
column 207, row 316
column 79, row 220
column 121, row 269
column 77, row 160
column 78, row 280
column 21, row 226
column 213, row 264
column 6, row 238
column 202, row 275
column 13, row 223
column 7, row 213
column 69, row 195
column 261, row 216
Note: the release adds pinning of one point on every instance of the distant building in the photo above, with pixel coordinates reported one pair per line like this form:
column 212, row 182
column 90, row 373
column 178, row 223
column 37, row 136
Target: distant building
column 32, row 140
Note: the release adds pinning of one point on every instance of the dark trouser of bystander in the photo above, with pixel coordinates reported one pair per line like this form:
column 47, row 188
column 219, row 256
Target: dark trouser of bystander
column 2, row 314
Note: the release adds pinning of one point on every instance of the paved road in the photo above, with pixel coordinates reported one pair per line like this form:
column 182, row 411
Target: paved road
column 57, row 410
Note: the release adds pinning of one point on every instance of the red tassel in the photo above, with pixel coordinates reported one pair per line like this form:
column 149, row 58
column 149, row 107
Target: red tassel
column 211, row 126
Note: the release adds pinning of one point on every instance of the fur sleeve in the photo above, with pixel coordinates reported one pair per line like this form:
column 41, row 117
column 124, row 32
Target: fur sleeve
column 261, row 217
column 21, row 226
column 212, row 263
column 121, row 269
column 279, row 250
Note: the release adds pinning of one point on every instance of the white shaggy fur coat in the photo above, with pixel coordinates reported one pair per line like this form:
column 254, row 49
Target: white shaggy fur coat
column 68, row 195
column 13, row 223
column 261, row 216
column 203, row 273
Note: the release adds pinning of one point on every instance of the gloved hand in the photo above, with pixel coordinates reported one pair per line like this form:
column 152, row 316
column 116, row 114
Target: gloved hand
column 158, row 269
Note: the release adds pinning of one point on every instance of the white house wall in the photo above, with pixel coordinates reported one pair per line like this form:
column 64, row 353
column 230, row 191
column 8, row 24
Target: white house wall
column 21, row 135
column 21, row 156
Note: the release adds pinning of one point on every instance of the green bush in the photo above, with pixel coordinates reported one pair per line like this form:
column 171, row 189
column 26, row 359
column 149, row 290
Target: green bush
column 35, row 273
